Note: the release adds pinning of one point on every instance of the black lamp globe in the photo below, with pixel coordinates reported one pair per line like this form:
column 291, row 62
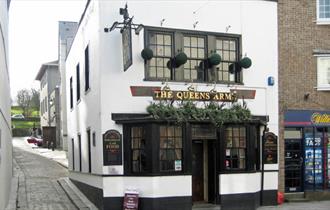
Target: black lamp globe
column 245, row 63
column 147, row 54
column 214, row 59
column 180, row 59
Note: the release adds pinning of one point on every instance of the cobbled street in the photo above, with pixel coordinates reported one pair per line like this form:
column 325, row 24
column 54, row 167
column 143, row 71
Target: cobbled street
column 38, row 187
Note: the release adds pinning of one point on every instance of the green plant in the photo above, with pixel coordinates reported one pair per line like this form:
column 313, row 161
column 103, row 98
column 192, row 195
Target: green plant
column 214, row 112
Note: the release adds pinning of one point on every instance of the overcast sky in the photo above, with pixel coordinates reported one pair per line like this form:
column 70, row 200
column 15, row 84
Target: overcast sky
column 33, row 36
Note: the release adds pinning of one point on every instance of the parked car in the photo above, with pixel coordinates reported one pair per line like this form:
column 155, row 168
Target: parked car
column 18, row 116
column 38, row 141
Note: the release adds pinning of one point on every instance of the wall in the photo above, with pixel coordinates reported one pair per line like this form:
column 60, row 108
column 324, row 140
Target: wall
column 5, row 122
column 299, row 35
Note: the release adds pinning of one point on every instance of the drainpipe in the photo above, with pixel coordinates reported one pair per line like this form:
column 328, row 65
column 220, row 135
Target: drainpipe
column 262, row 164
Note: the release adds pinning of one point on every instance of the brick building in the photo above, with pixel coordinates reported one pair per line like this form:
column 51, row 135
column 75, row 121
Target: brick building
column 304, row 85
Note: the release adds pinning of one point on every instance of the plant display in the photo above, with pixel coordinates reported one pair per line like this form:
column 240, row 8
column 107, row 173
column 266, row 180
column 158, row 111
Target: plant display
column 214, row 112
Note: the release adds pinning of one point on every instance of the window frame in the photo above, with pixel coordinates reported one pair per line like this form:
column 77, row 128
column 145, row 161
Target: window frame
column 78, row 82
column 87, row 69
column 320, row 86
column 178, row 45
column 319, row 20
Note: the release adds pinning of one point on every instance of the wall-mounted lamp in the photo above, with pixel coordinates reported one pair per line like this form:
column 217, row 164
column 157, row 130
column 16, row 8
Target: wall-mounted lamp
column 128, row 22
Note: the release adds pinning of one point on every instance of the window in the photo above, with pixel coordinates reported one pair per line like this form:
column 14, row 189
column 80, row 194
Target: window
column 194, row 47
column 138, row 149
column 323, row 72
column 71, row 93
column 78, row 82
column 323, row 11
column 227, row 49
column 170, row 152
column 79, row 147
column 72, row 143
column 161, row 45
column 87, row 68
column 235, row 144
column 89, row 150
column 198, row 46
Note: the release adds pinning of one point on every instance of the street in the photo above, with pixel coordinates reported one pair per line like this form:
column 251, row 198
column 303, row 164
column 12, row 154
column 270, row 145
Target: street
column 38, row 186
column 39, row 190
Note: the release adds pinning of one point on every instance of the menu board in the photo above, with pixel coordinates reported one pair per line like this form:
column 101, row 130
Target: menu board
column 270, row 148
column 112, row 148
column 131, row 201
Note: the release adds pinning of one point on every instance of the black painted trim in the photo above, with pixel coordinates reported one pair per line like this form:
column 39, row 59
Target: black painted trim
column 165, row 203
column 247, row 201
column 94, row 194
column 269, row 198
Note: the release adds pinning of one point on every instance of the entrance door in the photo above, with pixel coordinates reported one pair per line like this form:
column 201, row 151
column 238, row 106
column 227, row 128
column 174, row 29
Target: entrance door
column 197, row 171
column 293, row 165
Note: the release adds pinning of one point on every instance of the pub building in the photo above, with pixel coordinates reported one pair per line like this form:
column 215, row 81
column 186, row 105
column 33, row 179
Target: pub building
column 176, row 102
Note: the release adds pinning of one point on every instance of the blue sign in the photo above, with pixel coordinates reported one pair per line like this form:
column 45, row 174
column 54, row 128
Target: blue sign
column 303, row 118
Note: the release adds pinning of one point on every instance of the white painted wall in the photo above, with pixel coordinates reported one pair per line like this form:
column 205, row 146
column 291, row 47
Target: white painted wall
column 85, row 114
column 110, row 92
column 239, row 183
column 5, row 121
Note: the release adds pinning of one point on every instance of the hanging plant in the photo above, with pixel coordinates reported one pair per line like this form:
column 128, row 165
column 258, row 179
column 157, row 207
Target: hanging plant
column 214, row 112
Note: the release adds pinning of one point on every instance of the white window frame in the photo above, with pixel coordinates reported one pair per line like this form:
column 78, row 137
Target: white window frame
column 322, row 86
column 320, row 21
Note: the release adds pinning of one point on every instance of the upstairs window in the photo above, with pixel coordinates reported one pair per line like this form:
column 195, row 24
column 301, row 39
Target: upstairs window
column 323, row 11
column 323, row 72
column 78, row 81
column 198, row 46
column 87, row 69
column 161, row 45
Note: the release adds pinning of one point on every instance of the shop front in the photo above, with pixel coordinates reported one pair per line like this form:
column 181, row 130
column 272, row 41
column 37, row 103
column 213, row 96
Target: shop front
column 307, row 151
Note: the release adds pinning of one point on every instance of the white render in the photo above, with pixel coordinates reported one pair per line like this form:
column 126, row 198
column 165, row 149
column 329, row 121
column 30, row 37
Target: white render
column 255, row 21
column 67, row 30
column 5, row 121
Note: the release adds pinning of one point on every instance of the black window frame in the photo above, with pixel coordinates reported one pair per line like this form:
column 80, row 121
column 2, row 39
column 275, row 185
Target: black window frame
column 71, row 93
column 210, row 47
column 252, row 151
column 78, row 82
column 87, row 69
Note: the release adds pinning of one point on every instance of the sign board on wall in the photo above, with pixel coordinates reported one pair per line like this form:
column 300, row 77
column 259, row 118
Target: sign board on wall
column 270, row 148
column 112, row 148
column 127, row 46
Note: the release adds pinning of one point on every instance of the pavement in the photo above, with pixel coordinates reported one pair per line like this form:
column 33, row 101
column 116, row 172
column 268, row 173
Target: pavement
column 34, row 183
column 40, row 180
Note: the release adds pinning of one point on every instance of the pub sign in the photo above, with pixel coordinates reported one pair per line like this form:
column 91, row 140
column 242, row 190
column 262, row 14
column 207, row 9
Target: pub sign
column 112, row 148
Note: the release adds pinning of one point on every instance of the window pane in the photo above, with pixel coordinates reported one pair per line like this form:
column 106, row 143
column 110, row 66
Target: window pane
column 226, row 45
column 193, row 53
column 168, row 51
column 160, row 40
column 201, row 42
column 193, row 41
column 167, row 40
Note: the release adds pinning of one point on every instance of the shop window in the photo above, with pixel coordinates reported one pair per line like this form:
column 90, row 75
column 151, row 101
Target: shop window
column 167, row 43
column 235, row 144
column 170, row 153
column 323, row 72
column 138, row 149
column 323, row 11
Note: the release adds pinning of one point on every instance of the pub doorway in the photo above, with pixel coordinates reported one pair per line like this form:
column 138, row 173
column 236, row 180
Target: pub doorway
column 204, row 176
